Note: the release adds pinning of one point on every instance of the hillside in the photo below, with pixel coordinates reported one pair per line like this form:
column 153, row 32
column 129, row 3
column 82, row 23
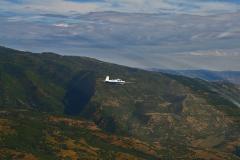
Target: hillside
column 57, row 107
column 230, row 76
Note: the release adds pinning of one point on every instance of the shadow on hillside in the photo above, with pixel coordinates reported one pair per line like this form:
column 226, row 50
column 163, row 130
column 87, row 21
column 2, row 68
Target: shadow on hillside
column 79, row 92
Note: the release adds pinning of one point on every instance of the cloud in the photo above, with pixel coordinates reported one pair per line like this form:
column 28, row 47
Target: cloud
column 62, row 25
column 141, row 33
column 202, row 7
column 46, row 6
column 213, row 53
column 86, row 1
column 135, row 39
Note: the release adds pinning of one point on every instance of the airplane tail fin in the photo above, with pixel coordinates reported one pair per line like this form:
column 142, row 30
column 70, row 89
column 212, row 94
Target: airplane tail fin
column 107, row 78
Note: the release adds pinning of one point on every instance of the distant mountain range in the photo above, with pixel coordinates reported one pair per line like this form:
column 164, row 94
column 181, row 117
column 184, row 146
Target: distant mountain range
column 230, row 76
column 58, row 107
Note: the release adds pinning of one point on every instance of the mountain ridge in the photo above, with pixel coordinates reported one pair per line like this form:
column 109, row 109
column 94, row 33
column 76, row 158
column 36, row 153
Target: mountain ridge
column 171, row 116
column 209, row 75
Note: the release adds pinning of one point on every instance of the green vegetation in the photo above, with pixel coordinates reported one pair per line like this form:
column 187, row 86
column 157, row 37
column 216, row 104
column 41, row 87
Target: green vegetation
column 57, row 107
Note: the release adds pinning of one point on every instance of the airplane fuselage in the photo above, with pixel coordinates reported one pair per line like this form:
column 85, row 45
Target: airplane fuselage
column 114, row 81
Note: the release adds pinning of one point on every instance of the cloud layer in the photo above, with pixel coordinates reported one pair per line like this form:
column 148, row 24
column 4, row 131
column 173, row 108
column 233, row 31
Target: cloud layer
column 148, row 34
column 130, row 6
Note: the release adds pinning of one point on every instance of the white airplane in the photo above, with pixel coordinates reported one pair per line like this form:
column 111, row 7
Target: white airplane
column 114, row 81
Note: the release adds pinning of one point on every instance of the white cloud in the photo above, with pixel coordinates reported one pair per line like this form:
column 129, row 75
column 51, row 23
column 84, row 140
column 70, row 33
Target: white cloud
column 213, row 53
column 225, row 35
column 217, row 7
column 62, row 25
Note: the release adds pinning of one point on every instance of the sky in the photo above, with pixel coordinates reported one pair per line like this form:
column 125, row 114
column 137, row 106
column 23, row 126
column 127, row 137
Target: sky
column 165, row 34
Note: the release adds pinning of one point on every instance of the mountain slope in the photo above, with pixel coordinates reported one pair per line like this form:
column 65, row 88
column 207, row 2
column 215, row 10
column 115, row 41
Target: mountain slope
column 230, row 76
column 169, row 116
